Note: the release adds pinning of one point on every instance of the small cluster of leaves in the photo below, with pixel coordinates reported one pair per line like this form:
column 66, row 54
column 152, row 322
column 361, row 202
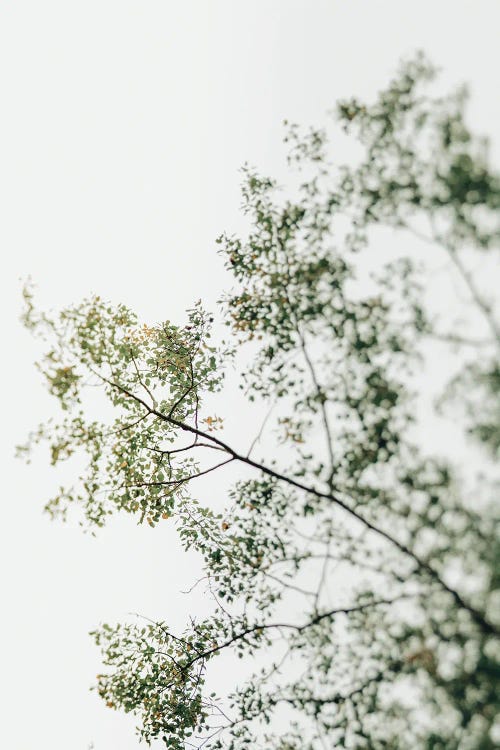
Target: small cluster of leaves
column 157, row 675
column 130, row 465
column 477, row 390
column 244, row 548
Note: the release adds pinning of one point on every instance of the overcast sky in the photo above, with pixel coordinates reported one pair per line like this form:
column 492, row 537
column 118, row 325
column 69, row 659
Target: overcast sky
column 123, row 126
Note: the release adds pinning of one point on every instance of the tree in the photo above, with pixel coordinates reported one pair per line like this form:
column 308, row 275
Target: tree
column 338, row 332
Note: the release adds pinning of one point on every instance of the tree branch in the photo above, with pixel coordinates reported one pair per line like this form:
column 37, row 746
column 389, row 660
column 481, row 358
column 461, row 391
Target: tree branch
column 424, row 566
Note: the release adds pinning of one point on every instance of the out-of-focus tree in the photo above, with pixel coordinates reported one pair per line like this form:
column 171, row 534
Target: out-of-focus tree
column 349, row 487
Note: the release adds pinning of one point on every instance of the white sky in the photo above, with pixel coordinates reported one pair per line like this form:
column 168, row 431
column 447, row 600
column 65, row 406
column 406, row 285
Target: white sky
column 122, row 128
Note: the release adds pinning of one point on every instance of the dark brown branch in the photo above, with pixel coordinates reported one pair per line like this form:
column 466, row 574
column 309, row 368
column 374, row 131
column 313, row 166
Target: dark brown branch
column 181, row 480
column 258, row 628
column 424, row 566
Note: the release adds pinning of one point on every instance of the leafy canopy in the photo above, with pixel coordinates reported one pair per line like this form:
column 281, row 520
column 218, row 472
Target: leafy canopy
column 355, row 567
